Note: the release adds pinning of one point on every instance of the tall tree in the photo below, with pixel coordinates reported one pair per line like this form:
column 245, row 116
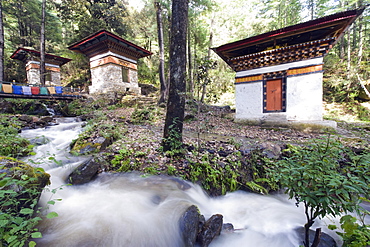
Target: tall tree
column 172, row 136
column 204, row 86
column 42, row 45
column 198, row 29
column 162, row 79
column 282, row 13
column 84, row 17
column 1, row 44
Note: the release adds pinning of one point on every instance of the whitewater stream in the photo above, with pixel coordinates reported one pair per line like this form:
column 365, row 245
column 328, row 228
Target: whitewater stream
column 130, row 210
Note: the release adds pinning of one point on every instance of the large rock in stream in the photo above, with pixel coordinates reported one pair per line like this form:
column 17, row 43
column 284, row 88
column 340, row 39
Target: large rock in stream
column 325, row 240
column 189, row 225
column 211, row 229
column 25, row 182
column 196, row 231
column 92, row 145
column 86, row 172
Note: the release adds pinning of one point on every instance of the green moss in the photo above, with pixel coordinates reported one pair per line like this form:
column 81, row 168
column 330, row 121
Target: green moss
column 18, row 169
column 20, row 188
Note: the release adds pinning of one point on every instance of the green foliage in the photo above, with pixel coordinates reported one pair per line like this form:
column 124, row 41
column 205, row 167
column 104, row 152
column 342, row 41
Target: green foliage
column 97, row 128
column 10, row 121
column 171, row 171
column 123, row 155
column 144, row 115
column 325, row 176
column 254, row 186
column 12, row 144
column 20, row 188
column 173, row 143
column 282, row 13
column 80, row 107
column 126, row 163
column 355, row 108
column 354, row 234
column 219, row 176
column 342, row 85
column 260, row 181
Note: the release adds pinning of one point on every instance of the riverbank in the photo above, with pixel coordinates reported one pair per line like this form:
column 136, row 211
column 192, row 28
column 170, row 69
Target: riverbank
column 219, row 154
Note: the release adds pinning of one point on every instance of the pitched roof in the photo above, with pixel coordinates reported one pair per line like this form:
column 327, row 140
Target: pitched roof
column 87, row 44
column 332, row 26
column 21, row 54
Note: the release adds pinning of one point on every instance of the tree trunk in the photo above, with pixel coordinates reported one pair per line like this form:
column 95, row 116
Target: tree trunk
column 342, row 39
column 360, row 36
column 172, row 137
column 317, row 238
column 190, row 70
column 204, row 86
column 162, row 79
column 1, row 44
column 42, row 46
column 349, row 55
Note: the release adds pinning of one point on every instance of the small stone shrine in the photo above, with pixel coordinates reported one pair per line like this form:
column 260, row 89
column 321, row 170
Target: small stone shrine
column 279, row 74
column 31, row 59
column 113, row 62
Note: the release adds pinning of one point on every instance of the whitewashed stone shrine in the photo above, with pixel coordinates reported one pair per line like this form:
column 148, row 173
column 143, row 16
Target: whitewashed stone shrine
column 279, row 74
column 113, row 62
column 31, row 59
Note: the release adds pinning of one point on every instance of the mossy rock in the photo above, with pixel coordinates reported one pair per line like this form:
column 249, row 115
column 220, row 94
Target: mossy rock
column 26, row 181
column 96, row 145
column 17, row 169
column 86, row 147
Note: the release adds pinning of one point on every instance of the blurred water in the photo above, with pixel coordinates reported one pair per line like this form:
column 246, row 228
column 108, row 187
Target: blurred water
column 130, row 210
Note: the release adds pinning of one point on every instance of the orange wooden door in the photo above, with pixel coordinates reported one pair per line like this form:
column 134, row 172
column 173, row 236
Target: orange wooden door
column 274, row 101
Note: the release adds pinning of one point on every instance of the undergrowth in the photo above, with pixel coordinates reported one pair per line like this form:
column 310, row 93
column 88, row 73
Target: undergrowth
column 20, row 189
column 12, row 145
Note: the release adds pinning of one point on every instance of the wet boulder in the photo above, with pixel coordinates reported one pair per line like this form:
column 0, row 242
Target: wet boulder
column 36, row 108
column 39, row 140
column 325, row 240
column 32, row 122
column 92, row 145
column 189, row 225
column 85, row 172
column 211, row 229
column 271, row 150
column 25, row 118
column 196, row 231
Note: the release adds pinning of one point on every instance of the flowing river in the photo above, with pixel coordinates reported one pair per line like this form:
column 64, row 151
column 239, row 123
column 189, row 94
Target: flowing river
column 130, row 210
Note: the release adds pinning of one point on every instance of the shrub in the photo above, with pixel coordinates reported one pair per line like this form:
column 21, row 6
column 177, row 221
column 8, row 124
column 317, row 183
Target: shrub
column 326, row 177
column 354, row 234
column 20, row 188
column 11, row 144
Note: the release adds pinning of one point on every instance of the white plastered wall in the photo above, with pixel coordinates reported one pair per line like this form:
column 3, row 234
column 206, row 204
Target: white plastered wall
column 303, row 95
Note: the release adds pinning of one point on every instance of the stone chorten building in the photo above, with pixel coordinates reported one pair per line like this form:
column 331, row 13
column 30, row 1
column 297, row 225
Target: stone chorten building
column 113, row 62
column 31, row 59
column 279, row 74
